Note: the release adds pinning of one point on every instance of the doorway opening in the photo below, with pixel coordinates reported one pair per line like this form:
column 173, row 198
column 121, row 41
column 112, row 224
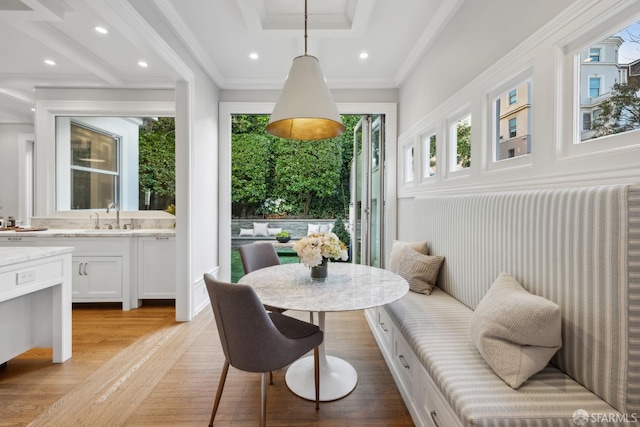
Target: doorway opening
column 292, row 184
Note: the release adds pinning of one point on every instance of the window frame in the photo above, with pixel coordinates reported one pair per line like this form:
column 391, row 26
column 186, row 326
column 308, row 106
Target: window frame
column 118, row 165
column 427, row 139
column 491, row 161
column 569, row 120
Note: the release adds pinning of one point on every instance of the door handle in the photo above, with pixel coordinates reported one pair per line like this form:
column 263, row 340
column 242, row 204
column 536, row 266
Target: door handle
column 85, row 268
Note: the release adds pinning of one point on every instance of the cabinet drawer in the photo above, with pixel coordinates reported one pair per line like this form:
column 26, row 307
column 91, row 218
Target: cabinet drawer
column 405, row 363
column 434, row 407
column 385, row 326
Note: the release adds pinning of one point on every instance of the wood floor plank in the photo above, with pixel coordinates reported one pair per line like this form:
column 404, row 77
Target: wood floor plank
column 141, row 368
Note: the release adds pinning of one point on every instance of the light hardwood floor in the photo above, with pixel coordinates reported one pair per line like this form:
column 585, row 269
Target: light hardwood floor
column 143, row 368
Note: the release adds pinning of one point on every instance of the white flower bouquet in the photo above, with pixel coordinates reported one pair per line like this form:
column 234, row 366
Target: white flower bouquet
column 316, row 247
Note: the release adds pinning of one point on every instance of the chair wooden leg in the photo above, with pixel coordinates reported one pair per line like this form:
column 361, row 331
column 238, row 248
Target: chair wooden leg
column 263, row 400
column 316, row 369
column 271, row 377
column 311, row 317
column 223, row 378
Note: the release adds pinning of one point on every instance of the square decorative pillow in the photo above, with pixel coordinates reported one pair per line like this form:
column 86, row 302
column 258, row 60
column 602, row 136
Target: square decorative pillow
column 396, row 252
column 421, row 271
column 260, row 229
column 273, row 231
column 325, row 228
column 246, row 232
column 515, row 331
column 313, row 228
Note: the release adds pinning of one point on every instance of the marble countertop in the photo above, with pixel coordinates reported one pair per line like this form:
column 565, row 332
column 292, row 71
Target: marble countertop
column 348, row 287
column 14, row 255
column 59, row 232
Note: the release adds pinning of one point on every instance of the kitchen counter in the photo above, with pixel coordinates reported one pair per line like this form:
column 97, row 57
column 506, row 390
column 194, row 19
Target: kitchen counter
column 60, row 232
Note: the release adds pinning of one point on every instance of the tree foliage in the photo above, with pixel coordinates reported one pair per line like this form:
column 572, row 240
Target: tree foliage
column 250, row 172
column 464, row 144
column 311, row 176
column 621, row 111
column 157, row 160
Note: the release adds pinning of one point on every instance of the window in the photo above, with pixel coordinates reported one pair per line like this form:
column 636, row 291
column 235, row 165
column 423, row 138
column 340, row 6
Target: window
column 408, row 164
column 95, row 172
column 594, row 87
column 513, row 122
column 429, row 156
column 513, row 125
column 461, row 141
column 607, row 84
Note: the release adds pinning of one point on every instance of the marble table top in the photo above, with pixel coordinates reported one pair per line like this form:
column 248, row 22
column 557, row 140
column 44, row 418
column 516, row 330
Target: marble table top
column 348, row 287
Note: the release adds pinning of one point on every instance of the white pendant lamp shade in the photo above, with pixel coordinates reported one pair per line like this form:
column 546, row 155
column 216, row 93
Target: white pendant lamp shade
column 305, row 109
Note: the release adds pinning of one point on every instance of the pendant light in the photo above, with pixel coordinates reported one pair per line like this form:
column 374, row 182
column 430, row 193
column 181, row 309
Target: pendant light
column 305, row 109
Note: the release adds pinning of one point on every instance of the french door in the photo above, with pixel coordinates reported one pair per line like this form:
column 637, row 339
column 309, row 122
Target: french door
column 366, row 210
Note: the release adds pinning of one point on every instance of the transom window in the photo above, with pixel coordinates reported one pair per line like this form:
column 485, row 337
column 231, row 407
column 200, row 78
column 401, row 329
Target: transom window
column 513, row 122
column 609, row 85
column 429, row 156
column 461, row 143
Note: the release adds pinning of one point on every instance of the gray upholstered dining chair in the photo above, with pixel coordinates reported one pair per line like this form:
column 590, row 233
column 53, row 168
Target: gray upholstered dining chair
column 255, row 340
column 257, row 255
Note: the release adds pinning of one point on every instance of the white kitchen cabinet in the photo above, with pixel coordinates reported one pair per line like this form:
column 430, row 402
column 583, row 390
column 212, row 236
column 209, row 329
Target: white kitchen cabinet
column 156, row 268
column 100, row 265
column 97, row 277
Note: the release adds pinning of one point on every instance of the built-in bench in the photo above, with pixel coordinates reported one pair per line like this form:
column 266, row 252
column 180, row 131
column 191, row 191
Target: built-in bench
column 577, row 247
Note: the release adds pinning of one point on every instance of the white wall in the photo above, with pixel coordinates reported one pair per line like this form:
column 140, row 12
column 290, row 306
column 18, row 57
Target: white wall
column 455, row 78
column 9, row 167
column 197, row 99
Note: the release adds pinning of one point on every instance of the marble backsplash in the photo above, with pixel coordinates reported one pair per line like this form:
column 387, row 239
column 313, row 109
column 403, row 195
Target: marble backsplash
column 130, row 219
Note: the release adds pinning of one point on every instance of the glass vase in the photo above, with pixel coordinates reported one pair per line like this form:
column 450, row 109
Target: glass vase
column 319, row 272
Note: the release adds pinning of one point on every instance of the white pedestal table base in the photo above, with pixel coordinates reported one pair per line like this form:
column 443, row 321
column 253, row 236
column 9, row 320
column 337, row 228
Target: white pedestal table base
column 337, row 377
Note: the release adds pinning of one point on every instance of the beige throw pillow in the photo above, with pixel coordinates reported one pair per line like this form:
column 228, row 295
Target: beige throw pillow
column 396, row 252
column 421, row 271
column 516, row 332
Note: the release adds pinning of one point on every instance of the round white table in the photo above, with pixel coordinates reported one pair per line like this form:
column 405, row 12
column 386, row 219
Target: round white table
column 348, row 287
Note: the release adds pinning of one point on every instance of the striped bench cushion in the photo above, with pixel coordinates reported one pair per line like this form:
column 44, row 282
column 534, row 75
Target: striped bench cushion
column 437, row 329
column 578, row 247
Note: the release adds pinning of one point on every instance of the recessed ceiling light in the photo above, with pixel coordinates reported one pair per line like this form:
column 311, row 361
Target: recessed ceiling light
column 100, row 29
column 253, row 55
column 364, row 55
column 143, row 64
column 50, row 62
column 33, row 109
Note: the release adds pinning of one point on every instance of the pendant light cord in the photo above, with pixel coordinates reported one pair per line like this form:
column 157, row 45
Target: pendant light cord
column 305, row 27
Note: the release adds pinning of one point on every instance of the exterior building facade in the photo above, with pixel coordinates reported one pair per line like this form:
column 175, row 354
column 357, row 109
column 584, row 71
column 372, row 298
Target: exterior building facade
column 514, row 130
column 599, row 70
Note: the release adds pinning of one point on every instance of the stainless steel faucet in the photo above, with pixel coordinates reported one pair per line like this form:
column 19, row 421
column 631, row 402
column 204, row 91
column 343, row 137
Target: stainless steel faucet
column 114, row 205
column 97, row 227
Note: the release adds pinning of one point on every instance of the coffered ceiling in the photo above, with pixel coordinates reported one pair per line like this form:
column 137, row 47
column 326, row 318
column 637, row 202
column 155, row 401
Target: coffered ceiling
column 220, row 35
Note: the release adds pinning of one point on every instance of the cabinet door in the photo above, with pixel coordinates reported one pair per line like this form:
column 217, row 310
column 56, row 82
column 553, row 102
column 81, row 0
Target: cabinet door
column 98, row 277
column 156, row 267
